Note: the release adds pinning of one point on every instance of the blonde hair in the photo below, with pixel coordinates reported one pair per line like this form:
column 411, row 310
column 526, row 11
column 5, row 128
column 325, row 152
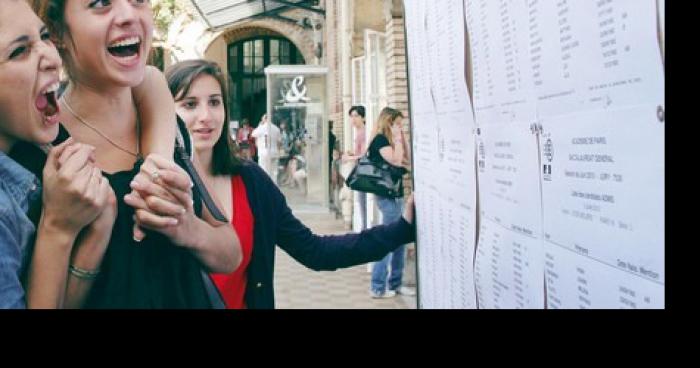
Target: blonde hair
column 384, row 122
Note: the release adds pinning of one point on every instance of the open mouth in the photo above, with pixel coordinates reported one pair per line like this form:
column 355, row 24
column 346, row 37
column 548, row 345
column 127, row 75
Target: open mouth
column 125, row 48
column 47, row 103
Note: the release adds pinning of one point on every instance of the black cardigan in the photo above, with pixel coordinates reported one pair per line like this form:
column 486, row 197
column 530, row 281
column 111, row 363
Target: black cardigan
column 274, row 224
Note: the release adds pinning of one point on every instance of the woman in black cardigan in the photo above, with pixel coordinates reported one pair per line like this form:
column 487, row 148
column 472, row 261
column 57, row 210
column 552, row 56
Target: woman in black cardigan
column 256, row 207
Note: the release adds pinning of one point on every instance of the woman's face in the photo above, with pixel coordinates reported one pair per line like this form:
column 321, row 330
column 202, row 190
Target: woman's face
column 29, row 67
column 203, row 111
column 398, row 121
column 356, row 119
column 108, row 40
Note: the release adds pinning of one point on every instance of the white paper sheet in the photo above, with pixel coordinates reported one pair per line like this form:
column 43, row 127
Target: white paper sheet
column 508, row 268
column 509, row 251
column 445, row 205
column 502, row 81
column 603, row 189
column 443, row 154
column 588, row 55
column 580, row 282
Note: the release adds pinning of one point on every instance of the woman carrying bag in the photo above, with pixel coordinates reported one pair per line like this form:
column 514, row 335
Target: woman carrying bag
column 388, row 146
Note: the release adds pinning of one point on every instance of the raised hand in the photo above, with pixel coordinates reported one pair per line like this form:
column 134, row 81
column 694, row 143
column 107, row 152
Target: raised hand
column 73, row 194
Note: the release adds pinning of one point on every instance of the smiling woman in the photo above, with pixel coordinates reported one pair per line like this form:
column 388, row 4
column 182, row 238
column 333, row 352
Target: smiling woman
column 122, row 48
column 104, row 44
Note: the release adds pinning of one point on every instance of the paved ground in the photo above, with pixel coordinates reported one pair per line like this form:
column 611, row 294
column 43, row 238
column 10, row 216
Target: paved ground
column 297, row 287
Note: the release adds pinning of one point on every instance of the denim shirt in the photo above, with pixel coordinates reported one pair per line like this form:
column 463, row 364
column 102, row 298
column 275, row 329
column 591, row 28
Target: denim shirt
column 18, row 188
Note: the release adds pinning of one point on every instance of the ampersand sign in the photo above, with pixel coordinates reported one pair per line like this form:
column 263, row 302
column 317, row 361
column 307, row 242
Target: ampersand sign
column 294, row 94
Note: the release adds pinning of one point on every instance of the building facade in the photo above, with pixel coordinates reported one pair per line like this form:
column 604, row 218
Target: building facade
column 361, row 42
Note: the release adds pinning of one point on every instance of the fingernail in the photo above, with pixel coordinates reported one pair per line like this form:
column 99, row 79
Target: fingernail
column 173, row 222
column 183, row 210
column 135, row 184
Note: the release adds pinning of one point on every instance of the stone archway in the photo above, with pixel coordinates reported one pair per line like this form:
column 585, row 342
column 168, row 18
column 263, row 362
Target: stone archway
column 300, row 37
column 247, row 89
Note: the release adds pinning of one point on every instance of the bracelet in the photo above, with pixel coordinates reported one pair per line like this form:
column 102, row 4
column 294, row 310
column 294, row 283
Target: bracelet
column 83, row 274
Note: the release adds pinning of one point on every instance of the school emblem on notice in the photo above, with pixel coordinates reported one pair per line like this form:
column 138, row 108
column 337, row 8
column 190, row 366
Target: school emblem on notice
column 549, row 155
column 482, row 155
column 548, row 152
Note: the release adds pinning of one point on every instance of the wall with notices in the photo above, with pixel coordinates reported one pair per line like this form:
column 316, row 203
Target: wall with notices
column 538, row 152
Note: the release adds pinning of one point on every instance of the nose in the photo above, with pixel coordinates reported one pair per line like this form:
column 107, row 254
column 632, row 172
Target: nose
column 124, row 12
column 205, row 114
column 49, row 60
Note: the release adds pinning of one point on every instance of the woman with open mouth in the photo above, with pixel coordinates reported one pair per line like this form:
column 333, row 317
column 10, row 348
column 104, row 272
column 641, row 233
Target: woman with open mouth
column 104, row 45
column 76, row 198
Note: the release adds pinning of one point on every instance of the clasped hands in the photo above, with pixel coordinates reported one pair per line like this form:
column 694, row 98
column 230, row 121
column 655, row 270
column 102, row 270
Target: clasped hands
column 162, row 198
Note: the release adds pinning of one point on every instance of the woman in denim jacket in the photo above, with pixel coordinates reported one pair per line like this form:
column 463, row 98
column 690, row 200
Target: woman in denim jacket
column 78, row 204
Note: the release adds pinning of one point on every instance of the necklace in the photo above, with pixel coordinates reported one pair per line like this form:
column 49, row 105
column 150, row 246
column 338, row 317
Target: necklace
column 136, row 154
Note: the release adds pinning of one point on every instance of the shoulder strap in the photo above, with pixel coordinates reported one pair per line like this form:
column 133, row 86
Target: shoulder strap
column 217, row 301
column 181, row 151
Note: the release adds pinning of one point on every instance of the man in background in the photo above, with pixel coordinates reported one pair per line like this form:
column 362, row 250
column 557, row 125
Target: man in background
column 268, row 139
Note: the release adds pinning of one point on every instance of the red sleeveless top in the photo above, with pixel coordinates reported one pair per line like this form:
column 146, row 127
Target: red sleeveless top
column 232, row 285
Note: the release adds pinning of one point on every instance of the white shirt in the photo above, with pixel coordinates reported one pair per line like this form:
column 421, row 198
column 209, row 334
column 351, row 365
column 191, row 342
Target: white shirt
column 267, row 138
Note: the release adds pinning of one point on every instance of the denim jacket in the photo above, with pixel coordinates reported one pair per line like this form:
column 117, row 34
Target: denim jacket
column 18, row 188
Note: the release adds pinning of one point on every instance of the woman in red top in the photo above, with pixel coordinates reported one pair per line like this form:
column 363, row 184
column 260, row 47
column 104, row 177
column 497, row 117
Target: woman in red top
column 256, row 207
column 200, row 102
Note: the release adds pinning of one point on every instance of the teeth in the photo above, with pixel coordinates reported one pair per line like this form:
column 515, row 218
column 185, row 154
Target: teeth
column 126, row 42
column 52, row 88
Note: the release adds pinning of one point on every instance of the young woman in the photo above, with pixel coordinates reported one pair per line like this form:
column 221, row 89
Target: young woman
column 357, row 117
column 104, row 45
column 256, row 207
column 387, row 144
column 78, row 204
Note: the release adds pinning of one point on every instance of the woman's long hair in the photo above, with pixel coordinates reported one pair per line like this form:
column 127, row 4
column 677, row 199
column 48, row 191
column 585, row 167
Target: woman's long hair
column 384, row 122
column 180, row 78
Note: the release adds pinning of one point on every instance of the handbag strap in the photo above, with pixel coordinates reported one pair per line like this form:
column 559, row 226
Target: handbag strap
column 213, row 294
column 217, row 301
column 198, row 183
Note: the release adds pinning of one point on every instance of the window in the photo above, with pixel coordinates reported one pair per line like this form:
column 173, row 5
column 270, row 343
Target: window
column 247, row 60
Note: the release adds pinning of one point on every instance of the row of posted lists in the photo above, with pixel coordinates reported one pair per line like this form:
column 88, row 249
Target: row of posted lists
column 544, row 186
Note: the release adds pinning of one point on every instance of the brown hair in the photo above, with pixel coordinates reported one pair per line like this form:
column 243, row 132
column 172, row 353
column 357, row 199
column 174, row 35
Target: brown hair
column 52, row 13
column 180, row 77
column 383, row 126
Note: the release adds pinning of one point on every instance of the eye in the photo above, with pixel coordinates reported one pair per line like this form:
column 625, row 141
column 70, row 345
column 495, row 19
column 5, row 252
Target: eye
column 190, row 105
column 19, row 51
column 46, row 36
column 214, row 102
column 97, row 4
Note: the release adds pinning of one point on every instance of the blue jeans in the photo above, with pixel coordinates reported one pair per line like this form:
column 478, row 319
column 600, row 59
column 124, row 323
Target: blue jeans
column 362, row 198
column 391, row 209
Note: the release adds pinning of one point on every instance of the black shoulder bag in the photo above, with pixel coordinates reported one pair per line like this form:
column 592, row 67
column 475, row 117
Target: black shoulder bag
column 377, row 177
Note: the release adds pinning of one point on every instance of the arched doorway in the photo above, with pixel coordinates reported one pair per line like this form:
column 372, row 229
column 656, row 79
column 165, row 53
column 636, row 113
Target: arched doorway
column 247, row 60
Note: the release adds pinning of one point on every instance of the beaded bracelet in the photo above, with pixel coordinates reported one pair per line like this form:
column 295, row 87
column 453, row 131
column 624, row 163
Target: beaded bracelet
column 83, row 274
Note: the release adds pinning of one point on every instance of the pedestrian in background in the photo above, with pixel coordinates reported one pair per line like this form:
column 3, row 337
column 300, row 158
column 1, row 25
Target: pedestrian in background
column 357, row 117
column 245, row 141
column 388, row 145
column 268, row 139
